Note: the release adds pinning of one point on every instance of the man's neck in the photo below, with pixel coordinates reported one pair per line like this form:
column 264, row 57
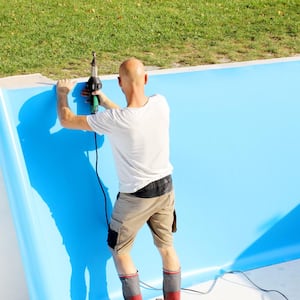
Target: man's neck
column 137, row 100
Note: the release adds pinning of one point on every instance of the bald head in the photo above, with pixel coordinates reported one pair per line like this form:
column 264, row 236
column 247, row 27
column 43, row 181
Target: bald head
column 132, row 79
column 132, row 71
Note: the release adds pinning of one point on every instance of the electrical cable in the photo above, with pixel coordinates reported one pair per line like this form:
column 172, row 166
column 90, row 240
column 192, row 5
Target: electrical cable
column 149, row 287
column 258, row 287
column 200, row 292
column 94, row 83
column 99, row 180
column 145, row 285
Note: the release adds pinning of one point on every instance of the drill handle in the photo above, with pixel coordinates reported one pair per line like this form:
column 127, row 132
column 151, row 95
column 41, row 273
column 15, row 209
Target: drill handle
column 94, row 104
column 93, row 84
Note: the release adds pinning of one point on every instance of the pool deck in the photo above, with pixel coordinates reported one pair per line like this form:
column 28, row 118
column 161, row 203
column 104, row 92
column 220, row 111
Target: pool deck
column 283, row 277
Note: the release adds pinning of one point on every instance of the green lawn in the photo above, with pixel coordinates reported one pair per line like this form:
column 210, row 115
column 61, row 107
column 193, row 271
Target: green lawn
column 56, row 38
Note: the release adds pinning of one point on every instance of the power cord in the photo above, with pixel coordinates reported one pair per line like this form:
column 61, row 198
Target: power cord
column 149, row 287
column 258, row 287
column 200, row 292
column 210, row 289
column 99, row 180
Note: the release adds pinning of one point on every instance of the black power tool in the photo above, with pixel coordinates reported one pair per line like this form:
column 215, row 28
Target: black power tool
column 94, row 84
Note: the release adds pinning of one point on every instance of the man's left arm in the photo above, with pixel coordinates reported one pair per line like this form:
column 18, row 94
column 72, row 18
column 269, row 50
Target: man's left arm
column 66, row 117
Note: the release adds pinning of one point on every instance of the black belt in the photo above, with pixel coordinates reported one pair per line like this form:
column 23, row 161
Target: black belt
column 155, row 188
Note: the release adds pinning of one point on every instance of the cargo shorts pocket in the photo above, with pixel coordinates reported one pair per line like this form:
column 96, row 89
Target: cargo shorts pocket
column 112, row 238
column 174, row 224
column 113, row 235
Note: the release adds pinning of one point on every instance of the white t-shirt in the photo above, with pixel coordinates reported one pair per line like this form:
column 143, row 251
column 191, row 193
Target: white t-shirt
column 140, row 141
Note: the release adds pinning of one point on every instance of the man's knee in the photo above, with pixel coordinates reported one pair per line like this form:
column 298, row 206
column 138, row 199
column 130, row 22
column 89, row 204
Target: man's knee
column 167, row 251
column 169, row 258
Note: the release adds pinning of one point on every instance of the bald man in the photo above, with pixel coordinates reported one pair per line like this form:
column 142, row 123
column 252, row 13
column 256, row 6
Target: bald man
column 139, row 136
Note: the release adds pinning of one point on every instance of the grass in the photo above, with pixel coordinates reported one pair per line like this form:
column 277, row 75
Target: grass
column 56, row 37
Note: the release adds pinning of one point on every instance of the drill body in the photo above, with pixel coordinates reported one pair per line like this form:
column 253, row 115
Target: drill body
column 94, row 84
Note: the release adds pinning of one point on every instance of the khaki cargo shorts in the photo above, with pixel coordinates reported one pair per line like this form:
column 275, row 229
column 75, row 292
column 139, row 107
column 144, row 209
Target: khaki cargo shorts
column 131, row 213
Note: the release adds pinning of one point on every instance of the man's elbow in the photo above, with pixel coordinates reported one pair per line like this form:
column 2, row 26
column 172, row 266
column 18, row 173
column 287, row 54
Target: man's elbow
column 65, row 118
column 71, row 121
column 64, row 123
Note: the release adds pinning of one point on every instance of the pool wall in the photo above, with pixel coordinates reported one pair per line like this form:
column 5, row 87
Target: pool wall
column 235, row 149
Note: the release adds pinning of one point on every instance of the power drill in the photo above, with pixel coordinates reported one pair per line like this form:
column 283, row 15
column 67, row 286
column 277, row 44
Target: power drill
column 94, row 84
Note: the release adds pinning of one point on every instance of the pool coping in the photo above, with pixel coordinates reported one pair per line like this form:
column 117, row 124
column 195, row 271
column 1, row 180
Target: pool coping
column 37, row 79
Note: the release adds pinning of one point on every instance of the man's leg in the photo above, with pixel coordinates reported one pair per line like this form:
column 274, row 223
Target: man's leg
column 128, row 213
column 124, row 263
column 171, row 273
column 128, row 275
column 161, row 225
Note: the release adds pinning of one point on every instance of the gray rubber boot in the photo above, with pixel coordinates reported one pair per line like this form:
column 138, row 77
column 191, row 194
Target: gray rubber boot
column 131, row 286
column 171, row 285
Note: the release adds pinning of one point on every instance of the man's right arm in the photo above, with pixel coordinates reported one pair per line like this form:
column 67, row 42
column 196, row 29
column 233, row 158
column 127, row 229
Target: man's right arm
column 105, row 101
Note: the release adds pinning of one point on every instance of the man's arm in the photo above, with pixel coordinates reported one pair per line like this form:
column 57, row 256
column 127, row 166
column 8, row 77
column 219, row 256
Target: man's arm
column 66, row 117
column 105, row 101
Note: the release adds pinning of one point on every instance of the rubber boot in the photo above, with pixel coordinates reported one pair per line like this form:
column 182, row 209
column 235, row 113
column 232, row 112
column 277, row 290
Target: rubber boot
column 171, row 285
column 131, row 287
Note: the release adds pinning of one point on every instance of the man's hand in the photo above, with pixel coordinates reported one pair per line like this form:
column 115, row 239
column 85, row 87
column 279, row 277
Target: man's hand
column 102, row 98
column 64, row 86
column 86, row 93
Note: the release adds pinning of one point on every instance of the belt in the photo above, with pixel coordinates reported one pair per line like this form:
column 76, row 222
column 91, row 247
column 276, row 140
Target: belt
column 156, row 188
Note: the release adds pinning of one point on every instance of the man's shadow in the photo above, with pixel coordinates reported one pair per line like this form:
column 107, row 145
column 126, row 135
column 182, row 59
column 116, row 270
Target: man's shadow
column 60, row 171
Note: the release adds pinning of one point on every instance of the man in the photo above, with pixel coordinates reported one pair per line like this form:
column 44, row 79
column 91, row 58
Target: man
column 139, row 136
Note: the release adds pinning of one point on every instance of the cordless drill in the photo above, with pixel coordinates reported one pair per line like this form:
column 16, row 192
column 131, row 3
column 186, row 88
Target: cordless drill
column 94, row 84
